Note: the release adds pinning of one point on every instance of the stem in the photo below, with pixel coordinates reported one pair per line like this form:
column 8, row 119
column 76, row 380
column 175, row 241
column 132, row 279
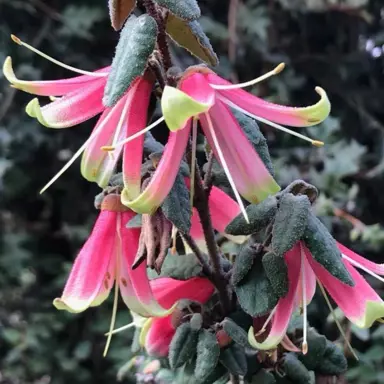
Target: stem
column 208, row 178
column 234, row 379
column 161, row 36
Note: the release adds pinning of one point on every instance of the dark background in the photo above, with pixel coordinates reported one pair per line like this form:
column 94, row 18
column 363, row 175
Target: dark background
column 338, row 45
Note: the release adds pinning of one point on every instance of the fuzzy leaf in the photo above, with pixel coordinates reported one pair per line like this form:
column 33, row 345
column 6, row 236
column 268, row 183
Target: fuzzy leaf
column 263, row 377
column 179, row 267
column 185, row 9
column 196, row 322
column 135, row 222
column 243, row 263
column 208, row 352
column 259, row 142
column 151, row 145
column 259, row 217
column 119, row 10
column 137, row 42
column 183, row 345
column 189, row 35
column 235, row 332
column 176, row 207
column 255, row 294
column 277, row 273
column 324, row 249
column 290, row 222
column 333, row 361
column 316, row 348
column 295, row 369
column 234, row 359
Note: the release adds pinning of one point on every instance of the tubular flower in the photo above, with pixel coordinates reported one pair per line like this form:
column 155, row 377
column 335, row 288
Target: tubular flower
column 105, row 259
column 360, row 303
column 157, row 333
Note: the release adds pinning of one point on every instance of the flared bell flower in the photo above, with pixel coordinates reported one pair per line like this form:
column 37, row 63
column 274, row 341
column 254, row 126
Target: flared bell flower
column 359, row 303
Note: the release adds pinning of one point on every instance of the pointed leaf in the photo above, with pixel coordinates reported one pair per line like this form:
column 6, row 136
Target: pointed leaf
column 290, row 222
column 252, row 131
column 255, row 294
column 196, row 321
column 151, row 145
column 234, row 359
column 324, row 250
column 235, row 332
column 295, row 369
column 259, row 217
column 185, row 9
column 119, row 10
column 333, row 361
column 177, row 207
column 183, row 346
column 189, row 35
column 208, row 352
column 243, row 263
column 277, row 273
column 316, row 348
column 137, row 42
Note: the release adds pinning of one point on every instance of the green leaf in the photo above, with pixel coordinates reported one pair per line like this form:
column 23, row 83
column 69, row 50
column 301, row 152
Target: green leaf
column 243, row 263
column 189, row 35
column 301, row 187
column 119, row 10
column 333, row 361
column 196, row 321
column 316, row 348
column 259, row 217
column 295, row 369
column 185, row 9
column 183, row 346
column 135, row 222
column 135, row 345
column 290, row 222
column 176, row 207
column 235, row 332
column 137, row 42
column 208, row 352
column 151, row 145
column 263, row 377
column 277, row 273
column 234, row 359
column 179, row 267
column 324, row 250
column 187, row 374
column 259, row 142
column 255, row 293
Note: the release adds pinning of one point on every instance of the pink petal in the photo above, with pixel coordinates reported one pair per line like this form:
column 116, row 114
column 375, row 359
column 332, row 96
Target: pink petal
column 197, row 87
column 310, row 281
column 159, row 337
column 285, row 306
column 360, row 304
column 295, row 117
column 93, row 272
column 164, row 177
column 169, row 291
column 370, row 265
column 71, row 109
column 247, row 169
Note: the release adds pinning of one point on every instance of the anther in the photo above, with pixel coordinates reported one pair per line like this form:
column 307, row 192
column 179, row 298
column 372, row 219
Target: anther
column 124, row 282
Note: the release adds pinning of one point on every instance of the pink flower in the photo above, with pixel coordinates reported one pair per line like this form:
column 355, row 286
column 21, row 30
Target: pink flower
column 360, row 303
column 157, row 334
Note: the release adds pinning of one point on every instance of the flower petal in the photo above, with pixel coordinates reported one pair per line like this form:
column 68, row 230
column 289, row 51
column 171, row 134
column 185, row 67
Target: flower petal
column 134, row 284
column 285, row 306
column 295, row 117
column 164, row 177
column 93, row 272
column 310, row 282
column 71, row 109
column 48, row 88
column 251, row 177
column 159, row 337
column 360, row 303
column 195, row 96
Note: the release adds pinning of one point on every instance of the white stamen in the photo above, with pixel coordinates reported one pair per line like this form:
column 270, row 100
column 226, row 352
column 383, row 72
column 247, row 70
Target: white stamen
column 337, row 320
column 78, row 153
column 304, row 292
column 121, row 329
column 264, row 327
column 57, row 62
column 193, row 160
column 120, row 123
column 316, row 143
column 274, row 72
column 225, row 167
column 136, row 135
column 365, row 269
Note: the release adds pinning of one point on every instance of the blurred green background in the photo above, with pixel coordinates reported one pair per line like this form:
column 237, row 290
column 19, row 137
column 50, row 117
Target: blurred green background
column 338, row 45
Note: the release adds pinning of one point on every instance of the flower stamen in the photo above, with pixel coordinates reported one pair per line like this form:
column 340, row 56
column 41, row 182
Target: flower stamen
column 365, row 269
column 304, row 293
column 57, row 62
column 113, row 319
column 193, row 160
column 121, row 329
column 274, row 72
column 225, row 167
column 264, row 327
